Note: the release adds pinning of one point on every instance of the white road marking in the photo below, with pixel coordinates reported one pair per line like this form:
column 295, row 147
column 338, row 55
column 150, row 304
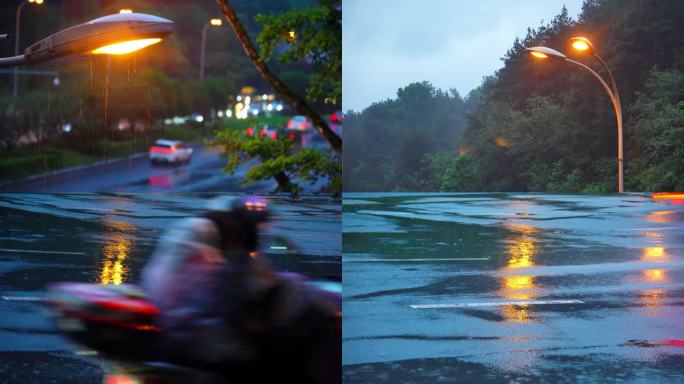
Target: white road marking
column 426, row 259
column 21, row 298
column 33, row 251
column 494, row 304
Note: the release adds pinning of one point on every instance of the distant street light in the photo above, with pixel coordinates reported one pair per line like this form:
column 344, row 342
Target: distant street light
column 582, row 44
column 114, row 34
column 16, row 40
column 211, row 23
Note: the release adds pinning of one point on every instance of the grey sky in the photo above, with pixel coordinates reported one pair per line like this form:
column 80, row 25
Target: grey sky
column 387, row 44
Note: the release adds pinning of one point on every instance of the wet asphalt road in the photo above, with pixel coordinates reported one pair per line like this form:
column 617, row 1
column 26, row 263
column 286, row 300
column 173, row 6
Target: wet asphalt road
column 107, row 238
column 512, row 288
column 137, row 175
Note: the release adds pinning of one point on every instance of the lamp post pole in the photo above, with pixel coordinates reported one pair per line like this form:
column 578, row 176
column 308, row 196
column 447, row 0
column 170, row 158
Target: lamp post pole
column 203, row 46
column 16, row 48
column 611, row 90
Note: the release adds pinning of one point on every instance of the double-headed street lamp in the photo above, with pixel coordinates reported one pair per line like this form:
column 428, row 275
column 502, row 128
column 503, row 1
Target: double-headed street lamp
column 582, row 44
column 16, row 39
column 113, row 35
column 203, row 47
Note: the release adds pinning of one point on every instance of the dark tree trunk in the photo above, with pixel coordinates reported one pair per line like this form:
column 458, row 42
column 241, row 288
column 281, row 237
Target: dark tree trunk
column 281, row 88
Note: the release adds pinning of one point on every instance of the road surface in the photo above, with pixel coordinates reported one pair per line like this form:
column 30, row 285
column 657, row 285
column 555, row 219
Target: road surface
column 512, row 288
column 137, row 175
column 107, row 238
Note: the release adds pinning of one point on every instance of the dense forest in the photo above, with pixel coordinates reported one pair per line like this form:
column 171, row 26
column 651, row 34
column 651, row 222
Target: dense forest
column 540, row 125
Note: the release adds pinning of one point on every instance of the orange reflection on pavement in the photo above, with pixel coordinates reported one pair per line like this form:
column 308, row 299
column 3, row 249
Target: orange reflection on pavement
column 520, row 253
column 116, row 250
column 660, row 217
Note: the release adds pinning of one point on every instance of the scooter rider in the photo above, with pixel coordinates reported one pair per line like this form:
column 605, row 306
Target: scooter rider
column 203, row 277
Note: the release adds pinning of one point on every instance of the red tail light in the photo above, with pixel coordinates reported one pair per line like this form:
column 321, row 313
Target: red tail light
column 161, row 150
column 249, row 131
column 274, row 135
column 291, row 136
column 262, row 133
column 290, row 124
column 302, row 125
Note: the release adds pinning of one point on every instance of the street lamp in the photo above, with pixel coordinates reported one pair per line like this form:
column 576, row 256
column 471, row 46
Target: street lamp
column 582, row 44
column 211, row 23
column 16, row 41
column 114, row 35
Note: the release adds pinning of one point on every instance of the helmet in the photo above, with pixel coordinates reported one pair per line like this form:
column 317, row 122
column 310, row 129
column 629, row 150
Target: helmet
column 237, row 218
column 252, row 208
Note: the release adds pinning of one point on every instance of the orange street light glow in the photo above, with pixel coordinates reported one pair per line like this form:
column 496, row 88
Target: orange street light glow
column 668, row 195
column 580, row 45
column 125, row 47
column 538, row 55
column 216, row 22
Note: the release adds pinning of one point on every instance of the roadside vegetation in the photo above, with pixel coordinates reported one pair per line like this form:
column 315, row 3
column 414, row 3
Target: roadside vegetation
column 540, row 125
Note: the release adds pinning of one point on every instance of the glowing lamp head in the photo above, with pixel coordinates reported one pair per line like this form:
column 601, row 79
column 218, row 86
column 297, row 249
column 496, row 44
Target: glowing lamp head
column 36, row 1
column 115, row 34
column 125, row 47
column 125, row 11
column 216, row 22
column 582, row 44
column 544, row 53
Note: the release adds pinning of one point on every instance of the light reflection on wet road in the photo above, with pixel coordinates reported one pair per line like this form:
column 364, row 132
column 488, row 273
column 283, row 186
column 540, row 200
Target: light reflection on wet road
column 512, row 287
column 107, row 238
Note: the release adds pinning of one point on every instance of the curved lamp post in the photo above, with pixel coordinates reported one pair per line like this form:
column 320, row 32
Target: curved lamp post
column 17, row 23
column 114, row 35
column 203, row 47
column 583, row 44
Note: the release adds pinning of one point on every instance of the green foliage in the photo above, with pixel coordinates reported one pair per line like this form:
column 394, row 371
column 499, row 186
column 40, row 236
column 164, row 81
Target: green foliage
column 659, row 123
column 460, row 175
column 545, row 126
column 387, row 143
column 317, row 39
column 280, row 159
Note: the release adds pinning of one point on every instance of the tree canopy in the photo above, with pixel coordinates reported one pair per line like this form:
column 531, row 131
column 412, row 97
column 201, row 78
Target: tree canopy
column 539, row 125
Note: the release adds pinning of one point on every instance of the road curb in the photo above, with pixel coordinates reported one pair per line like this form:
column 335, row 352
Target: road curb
column 76, row 168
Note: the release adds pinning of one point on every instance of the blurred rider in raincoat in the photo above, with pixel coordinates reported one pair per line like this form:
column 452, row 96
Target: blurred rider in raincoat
column 202, row 272
column 222, row 303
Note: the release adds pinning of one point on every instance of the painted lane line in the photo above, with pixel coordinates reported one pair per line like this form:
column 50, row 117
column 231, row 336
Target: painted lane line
column 428, row 259
column 32, row 251
column 494, row 304
column 21, row 298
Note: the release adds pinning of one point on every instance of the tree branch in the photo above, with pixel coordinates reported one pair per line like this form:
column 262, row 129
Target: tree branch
column 278, row 85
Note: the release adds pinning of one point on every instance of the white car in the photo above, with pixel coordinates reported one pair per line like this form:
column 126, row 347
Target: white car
column 299, row 123
column 170, row 151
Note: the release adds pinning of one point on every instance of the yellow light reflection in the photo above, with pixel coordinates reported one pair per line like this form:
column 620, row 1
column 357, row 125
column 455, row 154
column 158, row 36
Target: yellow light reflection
column 520, row 253
column 651, row 300
column 660, row 217
column 654, row 253
column 655, row 275
column 580, row 45
column 538, row 55
column 125, row 47
column 116, row 250
column 522, row 247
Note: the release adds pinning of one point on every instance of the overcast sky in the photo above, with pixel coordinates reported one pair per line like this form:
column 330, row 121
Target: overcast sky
column 388, row 44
